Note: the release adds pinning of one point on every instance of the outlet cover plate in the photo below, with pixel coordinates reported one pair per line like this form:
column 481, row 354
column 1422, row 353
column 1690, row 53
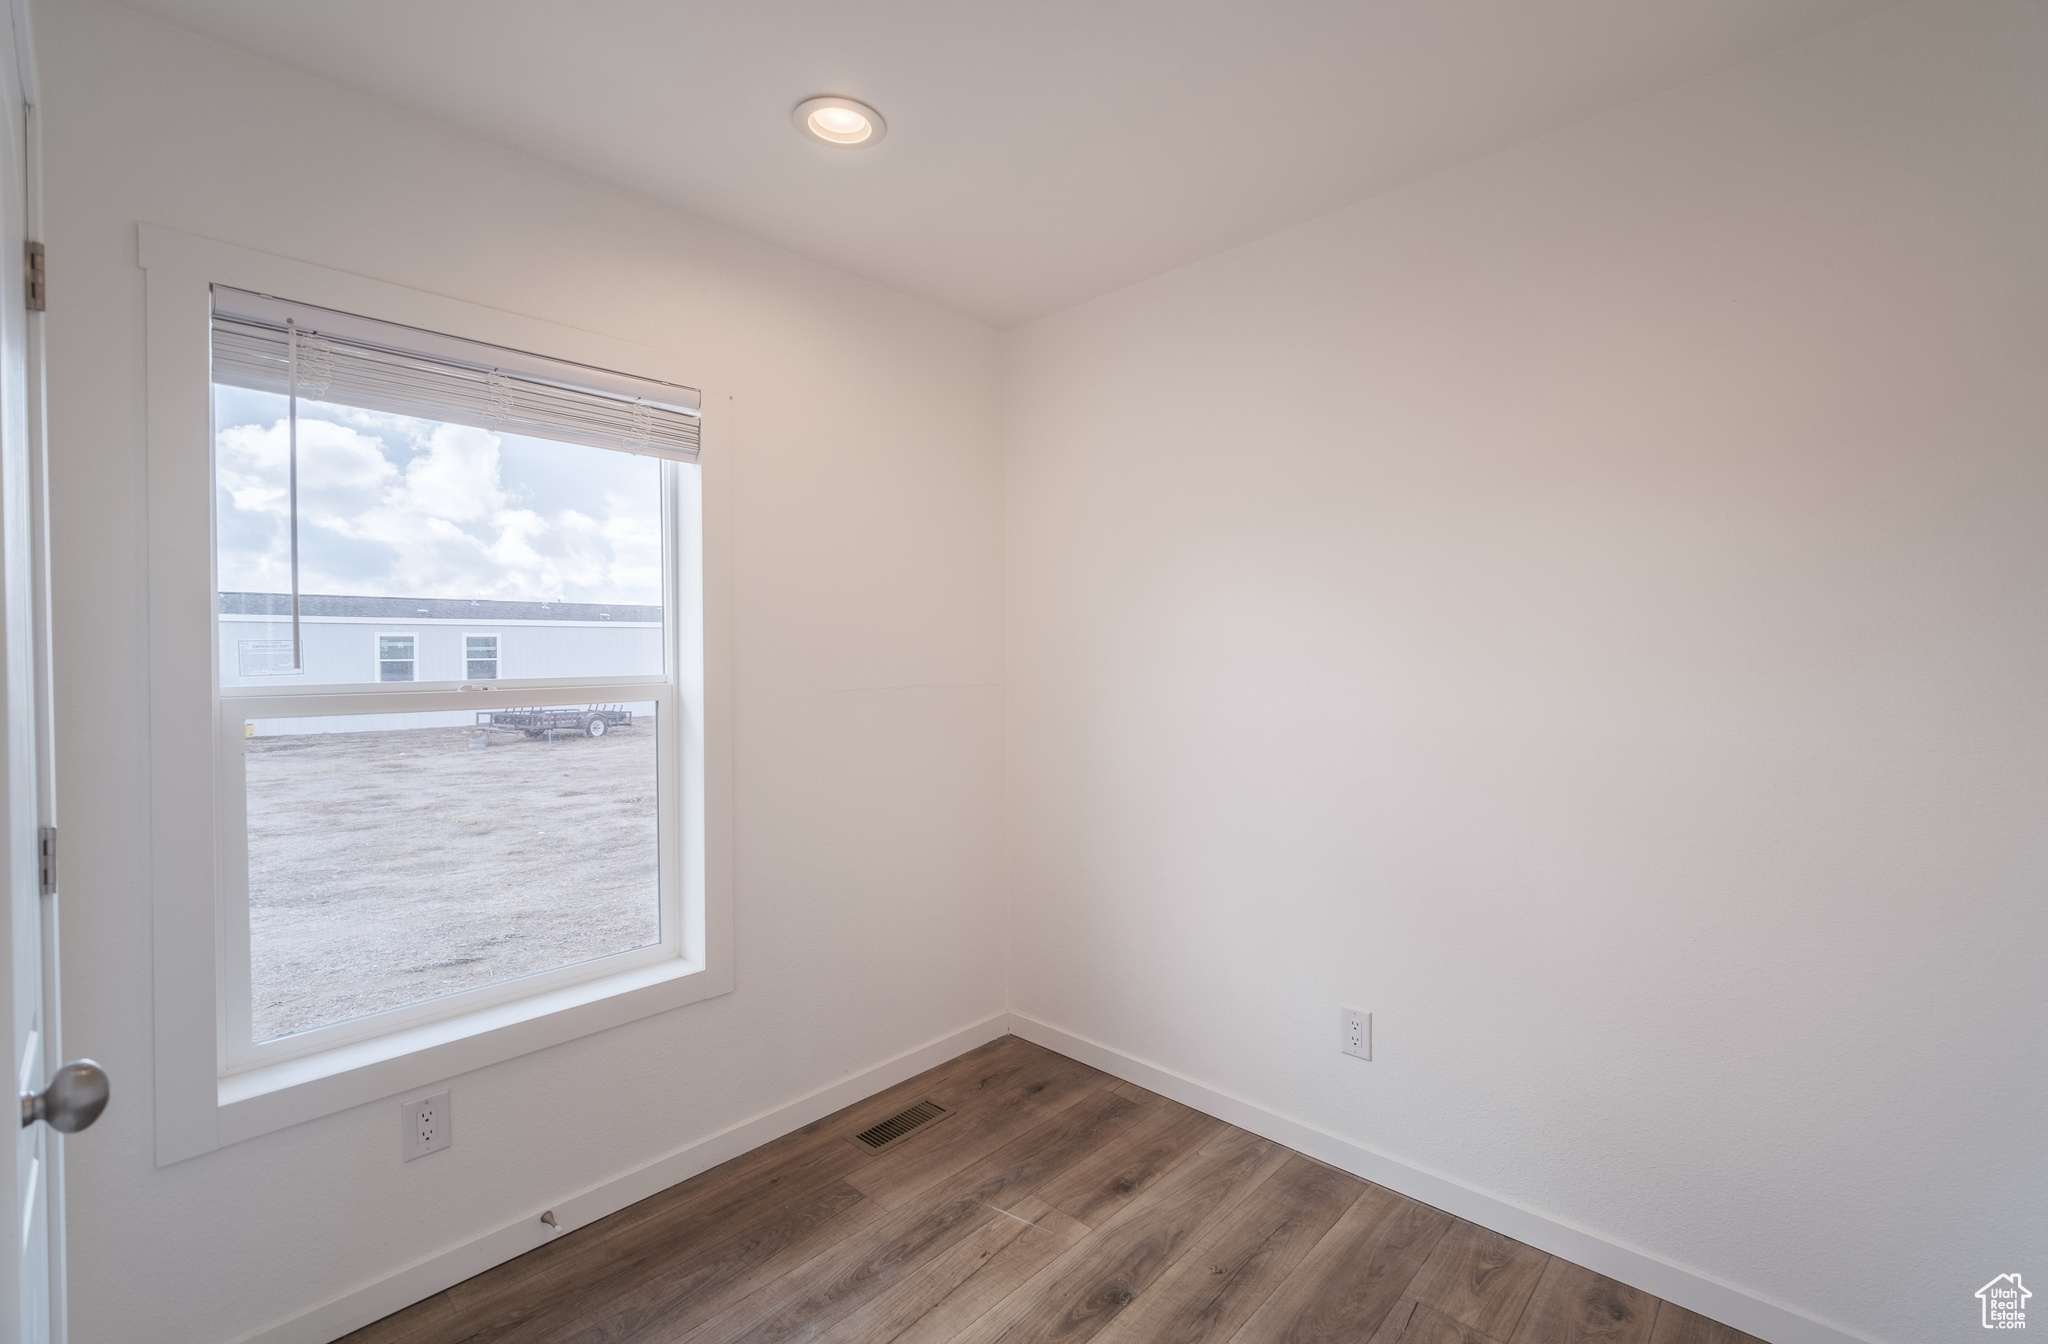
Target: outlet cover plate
column 429, row 1125
column 1356, row 1025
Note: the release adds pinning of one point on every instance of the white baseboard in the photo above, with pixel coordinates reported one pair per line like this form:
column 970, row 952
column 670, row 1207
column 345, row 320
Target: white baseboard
column 373, row 1301
column 1767, row 1320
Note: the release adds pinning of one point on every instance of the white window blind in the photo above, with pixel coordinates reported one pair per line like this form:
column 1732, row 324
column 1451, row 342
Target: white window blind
column 381, row 366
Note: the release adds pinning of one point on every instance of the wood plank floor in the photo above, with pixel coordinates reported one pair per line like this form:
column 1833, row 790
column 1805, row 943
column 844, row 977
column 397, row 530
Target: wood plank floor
column 1052, row 1203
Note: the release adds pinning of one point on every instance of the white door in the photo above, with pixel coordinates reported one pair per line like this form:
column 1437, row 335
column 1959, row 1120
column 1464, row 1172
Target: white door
column 31, row 1299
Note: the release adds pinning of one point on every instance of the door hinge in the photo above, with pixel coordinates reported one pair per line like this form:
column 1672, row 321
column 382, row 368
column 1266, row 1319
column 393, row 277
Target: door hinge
column 38, row 289
column 46, row 859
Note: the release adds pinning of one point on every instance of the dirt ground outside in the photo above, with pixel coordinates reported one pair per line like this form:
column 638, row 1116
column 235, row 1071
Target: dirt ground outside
column 390, row 868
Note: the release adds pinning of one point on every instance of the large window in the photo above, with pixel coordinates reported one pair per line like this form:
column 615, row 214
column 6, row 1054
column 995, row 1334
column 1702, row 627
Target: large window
column 358, row 886
column 410, row 844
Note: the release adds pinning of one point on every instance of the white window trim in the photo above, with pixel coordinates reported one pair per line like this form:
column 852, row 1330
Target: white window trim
column 198, row 1107
column 377, row 658
column 497, row 653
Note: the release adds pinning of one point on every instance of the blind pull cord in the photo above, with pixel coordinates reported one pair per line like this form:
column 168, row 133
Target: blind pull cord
column 291, row 359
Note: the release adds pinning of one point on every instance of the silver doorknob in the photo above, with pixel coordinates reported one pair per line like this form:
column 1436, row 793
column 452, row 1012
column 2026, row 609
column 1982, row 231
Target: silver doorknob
column 73, row 1100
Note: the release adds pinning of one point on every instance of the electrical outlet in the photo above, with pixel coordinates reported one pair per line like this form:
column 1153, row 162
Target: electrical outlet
column 429, row 1125
column 1357, row 1038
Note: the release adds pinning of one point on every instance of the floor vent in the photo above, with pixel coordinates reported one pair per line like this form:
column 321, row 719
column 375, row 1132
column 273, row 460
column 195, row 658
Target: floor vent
column 896, row 1126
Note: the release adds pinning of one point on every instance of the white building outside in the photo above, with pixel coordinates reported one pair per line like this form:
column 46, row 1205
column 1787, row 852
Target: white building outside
column 349, row 640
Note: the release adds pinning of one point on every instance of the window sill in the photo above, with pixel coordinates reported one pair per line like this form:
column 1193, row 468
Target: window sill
column 274, row 1096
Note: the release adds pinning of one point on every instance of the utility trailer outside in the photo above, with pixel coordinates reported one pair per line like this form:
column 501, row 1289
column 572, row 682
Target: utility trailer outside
column 591, row 720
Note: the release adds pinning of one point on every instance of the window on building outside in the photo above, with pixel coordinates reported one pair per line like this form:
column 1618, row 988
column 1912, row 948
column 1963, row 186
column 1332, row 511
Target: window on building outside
column 395, row 657
column 418, row 846
column 480, row 657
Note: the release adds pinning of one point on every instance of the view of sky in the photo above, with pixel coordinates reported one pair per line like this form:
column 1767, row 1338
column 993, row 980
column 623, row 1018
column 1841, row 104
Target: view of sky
column 393, row 506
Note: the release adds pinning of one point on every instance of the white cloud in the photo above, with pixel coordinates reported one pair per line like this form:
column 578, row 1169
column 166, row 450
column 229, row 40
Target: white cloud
column 399, row 507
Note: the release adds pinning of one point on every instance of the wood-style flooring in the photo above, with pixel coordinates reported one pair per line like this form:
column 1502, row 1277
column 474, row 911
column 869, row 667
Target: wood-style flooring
column 1053, row 1203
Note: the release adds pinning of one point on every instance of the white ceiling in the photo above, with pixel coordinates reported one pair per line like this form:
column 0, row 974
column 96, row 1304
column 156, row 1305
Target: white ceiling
column 1039, row 153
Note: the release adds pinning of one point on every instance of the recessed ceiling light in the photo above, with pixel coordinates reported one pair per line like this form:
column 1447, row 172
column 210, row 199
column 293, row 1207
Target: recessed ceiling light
column 839, row 121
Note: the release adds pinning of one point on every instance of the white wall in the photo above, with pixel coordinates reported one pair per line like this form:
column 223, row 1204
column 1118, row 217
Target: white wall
column 867, row 659
column 1588, row 609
